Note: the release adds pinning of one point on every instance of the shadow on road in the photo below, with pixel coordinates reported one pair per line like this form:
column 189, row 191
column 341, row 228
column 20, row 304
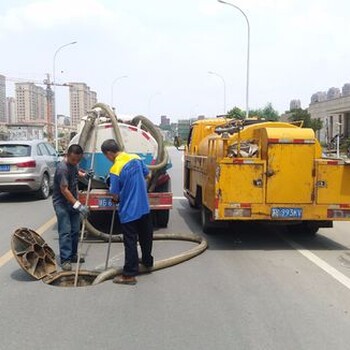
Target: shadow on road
column 21, row 276
column 254, row 236
column 17, row 197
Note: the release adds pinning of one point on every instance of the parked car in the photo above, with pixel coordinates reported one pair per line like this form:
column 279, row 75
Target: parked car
column 27, row 166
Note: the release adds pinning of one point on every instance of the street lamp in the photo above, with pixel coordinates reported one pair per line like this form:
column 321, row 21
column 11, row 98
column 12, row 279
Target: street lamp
column 54, row 89
column 248, row 53
column 112, row 88
column 224, row 84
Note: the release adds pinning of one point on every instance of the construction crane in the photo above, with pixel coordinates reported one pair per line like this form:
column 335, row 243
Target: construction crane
column 49, row 97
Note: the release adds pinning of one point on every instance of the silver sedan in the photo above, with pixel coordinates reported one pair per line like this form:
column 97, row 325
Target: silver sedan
column 27, row 166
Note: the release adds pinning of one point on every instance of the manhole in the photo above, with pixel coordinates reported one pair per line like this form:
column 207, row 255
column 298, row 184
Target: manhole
column 38, row 260
column 66, row 279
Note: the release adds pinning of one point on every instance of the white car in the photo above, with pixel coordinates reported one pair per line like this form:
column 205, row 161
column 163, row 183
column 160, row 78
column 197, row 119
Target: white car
column 27, row 166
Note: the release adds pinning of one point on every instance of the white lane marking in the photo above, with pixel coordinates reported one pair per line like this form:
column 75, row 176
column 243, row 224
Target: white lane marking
column 337, row 275
column 42, row 229
column 179, row 197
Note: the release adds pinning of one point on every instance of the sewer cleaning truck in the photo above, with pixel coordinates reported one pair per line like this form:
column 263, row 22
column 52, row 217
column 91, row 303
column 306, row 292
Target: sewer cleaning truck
column 134, row 135
column 274, row 172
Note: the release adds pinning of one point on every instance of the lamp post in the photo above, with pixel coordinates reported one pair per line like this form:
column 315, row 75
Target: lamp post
column 338, row 139
column 248, row 53
column 112, row 89
column 224, row 84
column 54, row 89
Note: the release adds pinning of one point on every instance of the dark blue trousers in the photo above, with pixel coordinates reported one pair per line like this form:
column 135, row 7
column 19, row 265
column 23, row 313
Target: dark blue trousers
column 68, row 222
column 141, row 229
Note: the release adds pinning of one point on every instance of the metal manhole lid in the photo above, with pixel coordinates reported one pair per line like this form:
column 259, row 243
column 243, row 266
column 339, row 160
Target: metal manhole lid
column 33, row 254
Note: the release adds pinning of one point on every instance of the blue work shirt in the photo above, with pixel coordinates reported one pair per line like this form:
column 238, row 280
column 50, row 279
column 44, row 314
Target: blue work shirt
column 127, row 176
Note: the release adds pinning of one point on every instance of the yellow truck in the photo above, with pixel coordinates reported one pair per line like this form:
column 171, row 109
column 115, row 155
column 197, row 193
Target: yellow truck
column 263, row 171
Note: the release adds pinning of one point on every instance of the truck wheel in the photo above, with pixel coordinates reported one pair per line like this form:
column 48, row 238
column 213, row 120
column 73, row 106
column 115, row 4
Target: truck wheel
column 162, row 218
column 192, row 205
column 44, row 190
column 311, row 228
column 307, row 229
column 206, row 220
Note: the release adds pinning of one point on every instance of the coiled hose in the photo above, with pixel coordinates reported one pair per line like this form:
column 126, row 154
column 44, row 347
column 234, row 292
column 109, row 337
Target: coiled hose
column 162, row 154
column 162, row 160
column 162, row 264
column 147, row 125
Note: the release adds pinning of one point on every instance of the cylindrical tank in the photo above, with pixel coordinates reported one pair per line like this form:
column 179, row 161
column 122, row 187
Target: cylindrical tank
column 135, row 140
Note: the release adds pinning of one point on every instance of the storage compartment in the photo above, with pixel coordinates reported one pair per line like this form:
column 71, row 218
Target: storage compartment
column 333, row 183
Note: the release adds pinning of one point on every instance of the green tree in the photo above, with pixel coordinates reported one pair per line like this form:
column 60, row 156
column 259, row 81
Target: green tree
column 267, row 113
column 236, row 113
column 300, row 114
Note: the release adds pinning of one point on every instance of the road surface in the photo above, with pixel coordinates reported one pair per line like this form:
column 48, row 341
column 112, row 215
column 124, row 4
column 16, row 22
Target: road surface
column 255, row 288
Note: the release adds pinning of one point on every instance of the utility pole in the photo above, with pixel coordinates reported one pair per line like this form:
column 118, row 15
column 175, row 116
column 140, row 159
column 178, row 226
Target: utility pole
column 49, row 106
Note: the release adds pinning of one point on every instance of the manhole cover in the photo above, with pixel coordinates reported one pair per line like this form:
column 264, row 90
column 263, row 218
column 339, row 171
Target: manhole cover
column 38, row 260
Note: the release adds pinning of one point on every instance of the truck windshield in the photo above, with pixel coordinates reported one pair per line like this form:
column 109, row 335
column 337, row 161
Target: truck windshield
column 12, row 150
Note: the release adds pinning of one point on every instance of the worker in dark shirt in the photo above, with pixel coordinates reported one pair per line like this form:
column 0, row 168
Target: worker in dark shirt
column 67, row 207
column 128, row 185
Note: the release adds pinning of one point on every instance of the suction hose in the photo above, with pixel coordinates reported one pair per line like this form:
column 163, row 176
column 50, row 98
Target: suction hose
column 147, row 125
column 162, row 264
column 162, row 160
column 162, row 154
column 114, row 120
column 87, row 128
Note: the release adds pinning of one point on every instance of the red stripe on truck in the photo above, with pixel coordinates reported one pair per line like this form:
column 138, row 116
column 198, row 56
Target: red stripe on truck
column 145, row 135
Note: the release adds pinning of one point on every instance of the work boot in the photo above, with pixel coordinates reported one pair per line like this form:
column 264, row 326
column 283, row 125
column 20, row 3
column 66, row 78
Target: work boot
column 145, row 268
column 74, row 260
column 66, row 266
column 122, row 279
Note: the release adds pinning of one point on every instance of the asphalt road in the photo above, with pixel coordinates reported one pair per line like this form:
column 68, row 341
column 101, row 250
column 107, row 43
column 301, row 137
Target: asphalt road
column 255, row 288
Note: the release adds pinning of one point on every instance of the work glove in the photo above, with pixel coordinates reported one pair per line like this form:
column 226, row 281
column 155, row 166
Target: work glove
column 89, row 174
column 82, row 209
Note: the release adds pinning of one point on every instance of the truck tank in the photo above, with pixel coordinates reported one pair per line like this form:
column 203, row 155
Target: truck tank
column 136, row 135
column 135, row 139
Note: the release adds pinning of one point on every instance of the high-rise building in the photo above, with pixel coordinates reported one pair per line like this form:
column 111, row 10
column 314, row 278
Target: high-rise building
column 93, row 98
column 31, row 103
column 183, row 128
column 3, row 118
column 164, row 120
column 81, row 99
column 11, row 110
column 294, row 104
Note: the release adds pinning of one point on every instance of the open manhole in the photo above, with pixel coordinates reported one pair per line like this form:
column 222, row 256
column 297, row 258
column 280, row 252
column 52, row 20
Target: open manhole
column 38, row 260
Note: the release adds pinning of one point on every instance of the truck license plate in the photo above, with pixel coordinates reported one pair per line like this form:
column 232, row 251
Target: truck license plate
column 296, row 213
column 4, row 168
column 105, row 202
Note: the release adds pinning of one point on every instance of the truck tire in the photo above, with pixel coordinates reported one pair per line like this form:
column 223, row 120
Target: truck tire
column 162, row 218
column 192, row 205
column 44, row 190
column 206, row 221
column 304, row 228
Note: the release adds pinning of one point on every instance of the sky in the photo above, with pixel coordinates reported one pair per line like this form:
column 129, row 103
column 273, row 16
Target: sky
column 166, row 49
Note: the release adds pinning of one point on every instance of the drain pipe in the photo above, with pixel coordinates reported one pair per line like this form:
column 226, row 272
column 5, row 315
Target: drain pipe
column 162, row 264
